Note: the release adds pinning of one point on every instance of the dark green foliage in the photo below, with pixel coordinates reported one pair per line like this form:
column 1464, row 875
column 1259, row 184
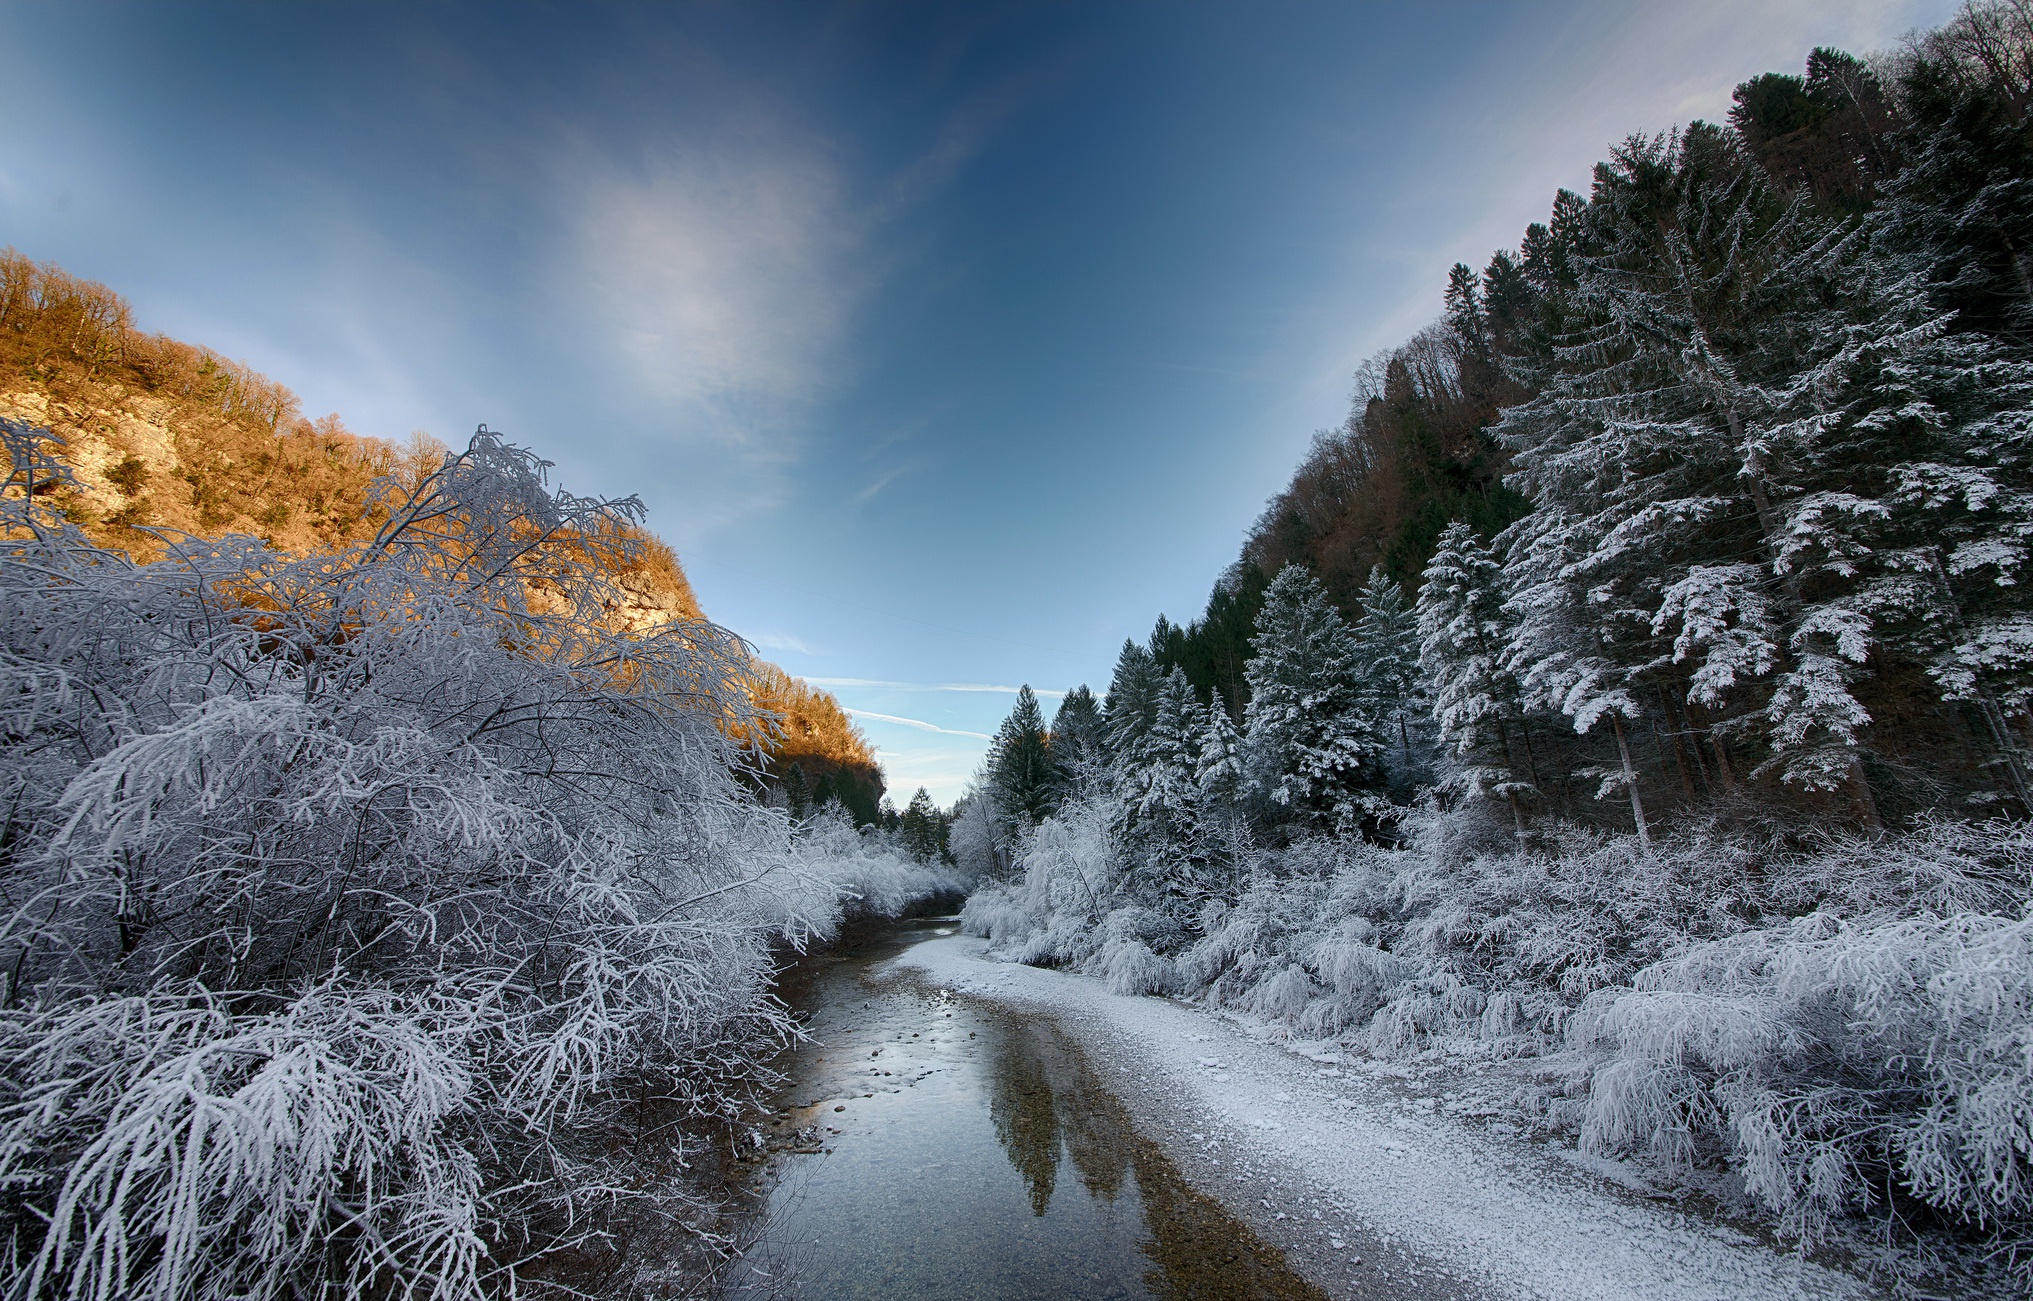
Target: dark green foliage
column 1021, row 779
column 923, row 828
column 1079, row 739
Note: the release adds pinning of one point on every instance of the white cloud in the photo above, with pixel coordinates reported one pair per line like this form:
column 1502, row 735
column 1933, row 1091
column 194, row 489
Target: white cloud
column 716, row 271
column 918, row 723
column 783, row 641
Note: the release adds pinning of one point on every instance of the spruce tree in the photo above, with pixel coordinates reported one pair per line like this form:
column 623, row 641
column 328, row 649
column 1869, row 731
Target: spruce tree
column 1132, row 703
column 1079, row 742
column 922, row 828
column 1020, row 777
column 1313, row 743
column 797, row 794
column 1463, row 634
column 1387, row 646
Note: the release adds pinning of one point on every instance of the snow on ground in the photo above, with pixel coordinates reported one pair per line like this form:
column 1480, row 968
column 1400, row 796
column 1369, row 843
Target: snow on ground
column 1372, row 1192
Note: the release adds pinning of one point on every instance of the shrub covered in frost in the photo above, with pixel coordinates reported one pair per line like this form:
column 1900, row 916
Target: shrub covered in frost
column 1834, row 1063
column 1841, row 1022
column 347, row 894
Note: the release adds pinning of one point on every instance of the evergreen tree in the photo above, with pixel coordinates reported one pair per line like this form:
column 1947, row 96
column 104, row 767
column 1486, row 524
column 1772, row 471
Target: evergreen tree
column 1218, row 772
column 797, row 794
column 1314, row 747
column 1161, row 790
column 922, row 828
column 1079, row 742
column 1132, row 703
column 1020, row 777
column 1463, row 633
column 1387, row 646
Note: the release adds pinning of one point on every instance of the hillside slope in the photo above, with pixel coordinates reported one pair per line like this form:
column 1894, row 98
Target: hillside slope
column 165, row 437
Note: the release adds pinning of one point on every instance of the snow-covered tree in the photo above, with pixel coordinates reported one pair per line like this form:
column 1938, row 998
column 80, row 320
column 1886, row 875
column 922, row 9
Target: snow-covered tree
column 1079, row 743
column 1313, row 742
column 354, row 895
column 1387, row 646
column 1463, row 635
column 1218, row 772
column 1161, row 791
column 1132, row 704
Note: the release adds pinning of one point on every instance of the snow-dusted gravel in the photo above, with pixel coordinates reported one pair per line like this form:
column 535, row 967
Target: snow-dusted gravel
column 1372, row 1192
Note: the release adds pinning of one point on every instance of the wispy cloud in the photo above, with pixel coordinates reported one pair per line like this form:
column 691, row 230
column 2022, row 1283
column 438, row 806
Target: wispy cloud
column 927, row 686
column 918, row 723
column 783, row 641
column 716, row 271
column 880, row 482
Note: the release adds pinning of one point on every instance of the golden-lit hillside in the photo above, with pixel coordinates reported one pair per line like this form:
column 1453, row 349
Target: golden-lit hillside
column 165, row 435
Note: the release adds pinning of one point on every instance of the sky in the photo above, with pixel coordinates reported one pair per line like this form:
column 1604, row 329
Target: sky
column 948, row 343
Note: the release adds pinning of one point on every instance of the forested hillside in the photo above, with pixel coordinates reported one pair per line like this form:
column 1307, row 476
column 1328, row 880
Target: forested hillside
column 165, row 439
column 1637, row 688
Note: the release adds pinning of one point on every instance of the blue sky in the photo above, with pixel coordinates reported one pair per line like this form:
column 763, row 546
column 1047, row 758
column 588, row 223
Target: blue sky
column 948, row 343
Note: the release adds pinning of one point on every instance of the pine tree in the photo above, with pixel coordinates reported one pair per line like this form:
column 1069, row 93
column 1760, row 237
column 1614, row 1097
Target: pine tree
column 1132, row 703
column 1463, row 633
column 922, row 828
column 1079, row 742
column 1020, row 776
column 1314, row 748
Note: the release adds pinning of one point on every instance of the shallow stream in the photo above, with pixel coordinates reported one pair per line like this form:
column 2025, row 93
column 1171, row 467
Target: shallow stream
column 931, row 1148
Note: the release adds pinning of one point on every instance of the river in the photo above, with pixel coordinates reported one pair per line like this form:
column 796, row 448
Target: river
column 928, row 1147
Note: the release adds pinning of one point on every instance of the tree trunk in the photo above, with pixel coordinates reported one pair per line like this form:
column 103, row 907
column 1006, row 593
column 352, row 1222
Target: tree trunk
column 1616, row 722
column 1679, row 750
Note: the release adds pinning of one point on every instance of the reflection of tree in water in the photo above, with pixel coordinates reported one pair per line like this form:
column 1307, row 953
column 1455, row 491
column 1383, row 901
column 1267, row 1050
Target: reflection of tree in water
column 1046, row 1099
column 1026, row 1121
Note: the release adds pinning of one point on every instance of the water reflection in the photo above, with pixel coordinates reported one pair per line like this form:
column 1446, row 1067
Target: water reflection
column 1050, row 1109
column 940, row 1150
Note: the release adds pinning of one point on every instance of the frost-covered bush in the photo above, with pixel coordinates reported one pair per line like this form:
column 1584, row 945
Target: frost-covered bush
column 1833, row 1062
column 1070, row 879
column 1841, row 1022
column 873, row 873
column 347, row 894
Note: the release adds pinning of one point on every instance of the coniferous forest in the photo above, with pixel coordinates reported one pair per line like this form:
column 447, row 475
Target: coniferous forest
column 1637, row 687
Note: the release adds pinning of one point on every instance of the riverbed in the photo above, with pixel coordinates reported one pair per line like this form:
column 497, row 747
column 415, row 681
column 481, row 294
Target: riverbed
column 929, row 1146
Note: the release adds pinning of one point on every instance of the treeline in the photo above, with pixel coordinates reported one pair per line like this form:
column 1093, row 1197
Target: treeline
column 163, row 439
column 1634, row 693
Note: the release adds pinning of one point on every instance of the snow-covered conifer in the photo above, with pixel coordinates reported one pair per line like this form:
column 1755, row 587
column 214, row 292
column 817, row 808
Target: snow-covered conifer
column 1463, row 634
column 1079, row 742
column 1132, row 703
column 1314, row 745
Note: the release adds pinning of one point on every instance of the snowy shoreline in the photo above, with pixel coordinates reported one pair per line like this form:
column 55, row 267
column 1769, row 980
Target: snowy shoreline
column 1336, row 1167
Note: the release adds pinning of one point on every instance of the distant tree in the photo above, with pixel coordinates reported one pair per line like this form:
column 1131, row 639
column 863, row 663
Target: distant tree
column 922, row 829
column 797, row 793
